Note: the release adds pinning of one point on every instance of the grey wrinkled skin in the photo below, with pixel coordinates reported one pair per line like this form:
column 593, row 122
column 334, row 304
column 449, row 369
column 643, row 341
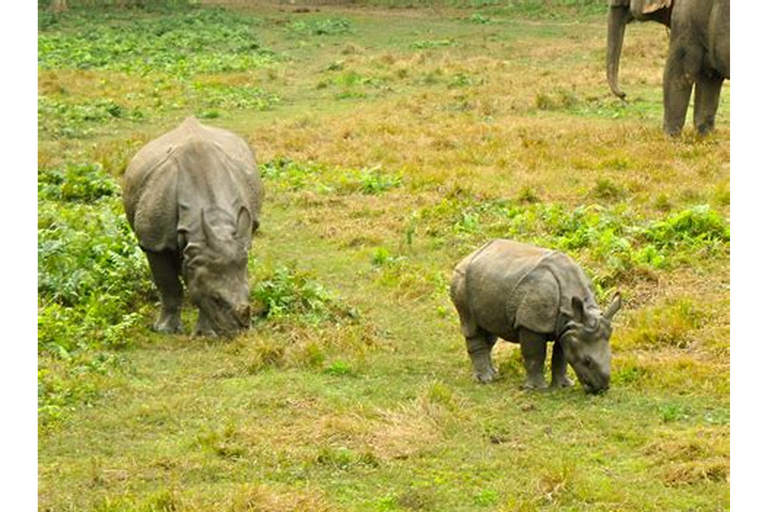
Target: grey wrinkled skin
column 699, row 54
column 529, row 295
column 193, row 197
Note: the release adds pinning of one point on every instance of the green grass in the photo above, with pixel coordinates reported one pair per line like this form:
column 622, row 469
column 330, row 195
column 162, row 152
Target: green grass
column 393, row 139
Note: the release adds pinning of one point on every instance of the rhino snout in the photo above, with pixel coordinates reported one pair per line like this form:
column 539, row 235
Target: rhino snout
column 599, row 383
column 243, row 313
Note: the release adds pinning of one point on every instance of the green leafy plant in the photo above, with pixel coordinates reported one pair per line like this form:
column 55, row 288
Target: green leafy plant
column 286, row 292
column 322, row 27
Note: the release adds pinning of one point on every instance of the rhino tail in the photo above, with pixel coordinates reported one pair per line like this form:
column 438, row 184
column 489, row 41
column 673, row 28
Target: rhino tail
column 535, row 304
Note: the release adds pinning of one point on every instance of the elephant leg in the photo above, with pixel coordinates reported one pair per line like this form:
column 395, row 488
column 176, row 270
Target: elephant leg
column 559, row 368
column 479, row 348
column 165, row 273
column 678, row 83
column 705, row 102
column 534, row 349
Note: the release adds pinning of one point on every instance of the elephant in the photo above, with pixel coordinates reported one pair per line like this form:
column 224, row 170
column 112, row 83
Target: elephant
column 699, row 53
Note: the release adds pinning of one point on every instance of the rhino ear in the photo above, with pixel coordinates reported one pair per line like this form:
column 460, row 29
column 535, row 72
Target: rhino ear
column 244, row 224
column 613, row 307
column 577, row 306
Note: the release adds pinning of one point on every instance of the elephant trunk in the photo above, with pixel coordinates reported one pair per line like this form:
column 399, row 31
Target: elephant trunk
column 618, row 17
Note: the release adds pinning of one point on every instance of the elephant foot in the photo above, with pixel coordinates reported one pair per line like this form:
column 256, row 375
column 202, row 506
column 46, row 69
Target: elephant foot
column 535, row 384
column 169, row 323
column 705, row 129
column 561, row 382
column 203, row 326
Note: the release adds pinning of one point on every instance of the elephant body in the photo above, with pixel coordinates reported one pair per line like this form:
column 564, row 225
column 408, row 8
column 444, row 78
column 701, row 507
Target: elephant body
column 699, row 54
column 530, row 295
column 193, row 197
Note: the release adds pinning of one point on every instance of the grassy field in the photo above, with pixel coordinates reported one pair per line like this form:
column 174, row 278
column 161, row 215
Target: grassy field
column 393, row 139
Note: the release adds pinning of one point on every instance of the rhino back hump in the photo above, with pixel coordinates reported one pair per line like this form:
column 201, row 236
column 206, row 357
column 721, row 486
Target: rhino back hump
column 492, row 277
column 190, row 168
column 572, row 281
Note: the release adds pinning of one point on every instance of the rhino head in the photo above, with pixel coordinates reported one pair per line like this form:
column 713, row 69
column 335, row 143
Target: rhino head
column 215, row 268
column 585, row 341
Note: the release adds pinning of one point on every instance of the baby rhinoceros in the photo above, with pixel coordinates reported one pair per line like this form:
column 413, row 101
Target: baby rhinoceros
column 529, row 295
column 193, row 198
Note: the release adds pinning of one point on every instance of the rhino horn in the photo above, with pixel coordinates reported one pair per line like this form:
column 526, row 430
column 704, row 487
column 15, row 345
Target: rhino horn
column 613, row 307
column 244, row 224
column 210, row 237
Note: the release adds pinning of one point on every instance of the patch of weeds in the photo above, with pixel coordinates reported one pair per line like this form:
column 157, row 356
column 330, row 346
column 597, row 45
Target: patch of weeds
column 291, row 175
column 339, row 369
column 182, row 43
column 668, row 325
column 382, row 257
column 486, row 497
column 212, row 96
column 662, row 203
column 62, row 119
column 321, row 27
column 699, row 226
column 409, row 280
column 93, row 286
column 478, row 18
column 70, row 379
column 691, row 456
column 723, row 194
column 528, row 195
column 288, row 293
column 559, row 100
column 426, row 44
column 464, row 80
column 350, row 95
column 256, row 355
column 223, row 442
column 75, row 182
column 343, row 458
column 418, row 498
column 674, row 412
column 375, row 182
column 608, row 190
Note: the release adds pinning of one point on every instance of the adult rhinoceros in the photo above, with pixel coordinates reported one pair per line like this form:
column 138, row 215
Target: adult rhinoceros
column 529, row 295
column 193, row 198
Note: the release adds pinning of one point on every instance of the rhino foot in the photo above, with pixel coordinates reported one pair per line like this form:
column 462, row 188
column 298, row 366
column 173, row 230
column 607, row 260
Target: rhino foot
column 537, row 384
column 203, row 331
column 169, row 323
column 486, row 376
column 562, row 382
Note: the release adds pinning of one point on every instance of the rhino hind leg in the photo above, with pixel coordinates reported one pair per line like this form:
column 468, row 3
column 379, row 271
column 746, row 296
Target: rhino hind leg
column 534, row 349
column 165, row 274
column 479, row 348
column 560, row 377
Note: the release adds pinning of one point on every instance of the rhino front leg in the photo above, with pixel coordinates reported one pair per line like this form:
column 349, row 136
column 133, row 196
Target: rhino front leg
column 479, row 348
column 204, row 326
column 165, row 273
column 534, row 349
column 559, row 368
